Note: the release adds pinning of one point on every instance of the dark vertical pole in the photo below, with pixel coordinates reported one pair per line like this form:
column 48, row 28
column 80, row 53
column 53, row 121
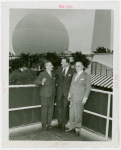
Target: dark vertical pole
column 91, row 67
column 100, row 69
column 106, row 71
column 95, row 67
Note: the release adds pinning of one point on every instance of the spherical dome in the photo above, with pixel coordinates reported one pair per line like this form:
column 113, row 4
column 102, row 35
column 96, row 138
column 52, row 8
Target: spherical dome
column 40, row 33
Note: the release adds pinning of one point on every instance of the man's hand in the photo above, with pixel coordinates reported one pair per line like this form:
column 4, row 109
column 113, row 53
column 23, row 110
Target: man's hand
column 84, row 100
column 69, row 97
column 43, row 81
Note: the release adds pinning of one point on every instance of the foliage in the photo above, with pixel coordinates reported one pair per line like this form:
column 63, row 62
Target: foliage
column 34, row 60
column 103, row 50
column 22, row 78
column 26, row 60
column 31, row 60
column 54, row 58
column 24, row 57
column 11, row 54
column 78, row 56
column 15, row 63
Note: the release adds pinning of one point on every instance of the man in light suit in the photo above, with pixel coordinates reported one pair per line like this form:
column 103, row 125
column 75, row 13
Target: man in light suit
column 46, row 81
column 78, row 95
column 64, row 77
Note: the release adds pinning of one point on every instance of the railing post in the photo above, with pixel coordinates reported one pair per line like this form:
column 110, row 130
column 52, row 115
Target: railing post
column 95, row 68
column 107, row 120
column 106, row 71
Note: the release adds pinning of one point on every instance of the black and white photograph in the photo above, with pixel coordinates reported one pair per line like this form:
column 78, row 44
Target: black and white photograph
column 62, row 74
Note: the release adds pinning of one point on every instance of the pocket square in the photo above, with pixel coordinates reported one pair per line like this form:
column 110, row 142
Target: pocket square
column 81, row 79
column 69, row 75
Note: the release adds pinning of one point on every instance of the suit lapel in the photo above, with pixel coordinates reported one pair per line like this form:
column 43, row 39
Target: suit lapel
column 79, row 77
column 52, row 75
column 61, row 72
column 73, row 81
column 67, row 72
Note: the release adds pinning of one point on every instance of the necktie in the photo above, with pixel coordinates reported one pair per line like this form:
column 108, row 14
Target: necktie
column 76, row 77
column 50, row 74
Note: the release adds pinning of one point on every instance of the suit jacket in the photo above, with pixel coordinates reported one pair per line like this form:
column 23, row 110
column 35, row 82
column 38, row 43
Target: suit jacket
column 81, row 88
column 48, row 89
column 63, row 85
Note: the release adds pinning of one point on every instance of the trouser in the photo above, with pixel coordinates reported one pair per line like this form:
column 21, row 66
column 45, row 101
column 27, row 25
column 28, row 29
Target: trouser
column 47, row 106
column 76, row 114
column 62, row 110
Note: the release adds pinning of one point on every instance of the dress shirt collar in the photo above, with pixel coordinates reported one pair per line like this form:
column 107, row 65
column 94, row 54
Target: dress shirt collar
column 49, row 72
column 66, row 69
column 79, row 73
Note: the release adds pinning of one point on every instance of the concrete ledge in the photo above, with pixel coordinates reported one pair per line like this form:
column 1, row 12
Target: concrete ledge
column 28, row 128
column 25, row 129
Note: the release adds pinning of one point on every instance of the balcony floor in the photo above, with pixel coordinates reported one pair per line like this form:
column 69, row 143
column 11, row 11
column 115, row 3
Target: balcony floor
column 56, row 134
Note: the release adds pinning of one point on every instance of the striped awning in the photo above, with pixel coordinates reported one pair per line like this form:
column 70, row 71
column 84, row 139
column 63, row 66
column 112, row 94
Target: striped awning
column 102, row 81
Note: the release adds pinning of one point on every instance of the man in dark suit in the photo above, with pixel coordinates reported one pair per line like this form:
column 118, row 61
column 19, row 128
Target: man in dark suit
column 64, row 77
column 46, row 81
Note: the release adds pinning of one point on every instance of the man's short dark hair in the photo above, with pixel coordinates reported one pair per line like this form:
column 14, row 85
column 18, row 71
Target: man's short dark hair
column 84, row 68
column 67, row 59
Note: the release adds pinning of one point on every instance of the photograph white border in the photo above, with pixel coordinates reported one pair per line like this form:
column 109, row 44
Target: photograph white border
column 5, row 73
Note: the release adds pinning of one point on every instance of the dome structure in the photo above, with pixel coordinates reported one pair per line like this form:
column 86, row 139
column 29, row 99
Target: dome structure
column 66, row 52
column 40, row 33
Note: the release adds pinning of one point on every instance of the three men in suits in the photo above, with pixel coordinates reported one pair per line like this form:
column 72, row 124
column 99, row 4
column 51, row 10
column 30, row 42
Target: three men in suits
column 64, row 77
column 46, row 81
column 78, row 95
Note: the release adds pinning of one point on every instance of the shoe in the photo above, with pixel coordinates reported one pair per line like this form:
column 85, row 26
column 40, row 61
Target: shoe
column 59, row 126
column 49, row 127
column 70, row 130
column 46, row 127
column 63, row 127
column 77, row 133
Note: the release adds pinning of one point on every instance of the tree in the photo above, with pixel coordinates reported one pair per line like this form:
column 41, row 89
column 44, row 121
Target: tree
column 53, row 58
column 15, row 64
column 11, row 54
column 103, row 50
column 78, row 56
column 25, row 58
column 31, row 60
